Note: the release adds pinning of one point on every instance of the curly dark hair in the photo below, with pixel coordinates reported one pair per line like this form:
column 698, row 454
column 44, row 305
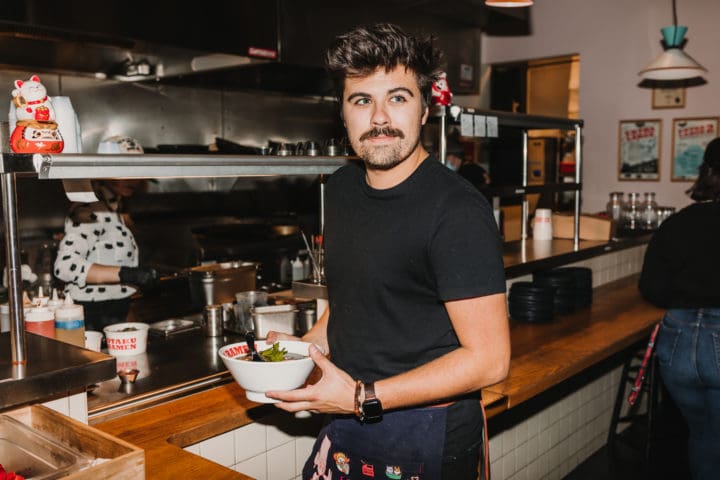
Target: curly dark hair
column 361, row 51
column 707, row 185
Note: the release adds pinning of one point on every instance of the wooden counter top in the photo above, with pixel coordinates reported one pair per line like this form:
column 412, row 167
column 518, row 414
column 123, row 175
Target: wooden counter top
column 543, row 355
column 162, row 431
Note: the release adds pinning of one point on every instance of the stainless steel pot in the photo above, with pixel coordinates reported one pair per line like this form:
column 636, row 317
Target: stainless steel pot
column 218, row 283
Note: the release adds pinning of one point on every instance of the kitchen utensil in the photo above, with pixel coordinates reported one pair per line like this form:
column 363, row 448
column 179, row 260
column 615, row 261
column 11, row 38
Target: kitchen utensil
column 250, row 340
column 278, row 318
column 213, row 320
column 243, row 321
column 256, row 378
column 172, row 326
column 217, row 283
column 306, row 321
column 316, row 269
column 128, row 375
column 312, row 149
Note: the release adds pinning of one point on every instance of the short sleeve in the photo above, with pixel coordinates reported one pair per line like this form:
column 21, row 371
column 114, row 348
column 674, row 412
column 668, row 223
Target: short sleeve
column 466, row 250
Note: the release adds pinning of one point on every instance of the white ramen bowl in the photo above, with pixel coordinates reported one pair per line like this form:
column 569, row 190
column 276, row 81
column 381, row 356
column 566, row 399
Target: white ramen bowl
column 259, row 377
column 127, row 338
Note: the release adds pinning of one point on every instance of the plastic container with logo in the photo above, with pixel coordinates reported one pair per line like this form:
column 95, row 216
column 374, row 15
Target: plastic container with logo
column 40, row 320
column 70, row 323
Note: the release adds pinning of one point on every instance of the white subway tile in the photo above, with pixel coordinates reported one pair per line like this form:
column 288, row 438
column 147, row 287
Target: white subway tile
column 280, row 462
column 255, row 467
column 78, row 408
column 533, row 425
column 276, row 436
column 219, row 449
column 521, row 432
column 544, row 464
column 496, row 447
column 509, row 464
column 509, row 441
column 303, row 448
column 553, row 474
column 532, row 448
column 496, row 470
column 533, row 470
column 564, row 468
column 543, row 421
column 250, row 440
column 60, row 405
column 521, row 455
column 194, row 449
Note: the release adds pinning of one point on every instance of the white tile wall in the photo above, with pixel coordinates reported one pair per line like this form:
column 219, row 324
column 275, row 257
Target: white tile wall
column 74, row 406
column 548, row 445
column 264, row 449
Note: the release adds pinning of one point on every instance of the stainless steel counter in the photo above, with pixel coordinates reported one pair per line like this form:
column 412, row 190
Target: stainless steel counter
column 179, row 365
column 53, row 368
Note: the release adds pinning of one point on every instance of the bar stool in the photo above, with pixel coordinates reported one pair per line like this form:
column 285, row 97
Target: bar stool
column 640, row 362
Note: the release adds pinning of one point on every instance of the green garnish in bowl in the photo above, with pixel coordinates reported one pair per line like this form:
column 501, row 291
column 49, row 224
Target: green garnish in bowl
column 274, row 354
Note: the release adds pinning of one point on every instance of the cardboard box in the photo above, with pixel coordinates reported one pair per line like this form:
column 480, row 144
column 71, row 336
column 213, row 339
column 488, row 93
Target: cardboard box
column 124, row 461
column 592, row 227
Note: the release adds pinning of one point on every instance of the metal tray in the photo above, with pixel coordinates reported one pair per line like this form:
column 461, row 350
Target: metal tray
column 167, row 328
column 25, row 451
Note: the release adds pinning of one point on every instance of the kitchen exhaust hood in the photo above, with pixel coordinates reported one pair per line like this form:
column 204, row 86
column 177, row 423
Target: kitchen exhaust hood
column 236, row 44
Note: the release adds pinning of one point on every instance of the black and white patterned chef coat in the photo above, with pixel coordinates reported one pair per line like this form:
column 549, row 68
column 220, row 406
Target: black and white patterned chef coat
column 95, row 233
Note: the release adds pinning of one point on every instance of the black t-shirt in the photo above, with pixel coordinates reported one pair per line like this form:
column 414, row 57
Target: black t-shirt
column 473, row 173
column 394, row 256
column 682, row 259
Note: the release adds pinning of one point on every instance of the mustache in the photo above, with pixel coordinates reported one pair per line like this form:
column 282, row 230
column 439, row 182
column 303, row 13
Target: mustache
column 384, row 131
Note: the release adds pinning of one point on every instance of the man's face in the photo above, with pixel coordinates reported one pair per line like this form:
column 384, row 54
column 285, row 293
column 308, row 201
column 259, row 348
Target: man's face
column 383, row 114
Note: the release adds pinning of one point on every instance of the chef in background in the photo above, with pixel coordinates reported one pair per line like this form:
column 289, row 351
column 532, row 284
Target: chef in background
column 98, row 256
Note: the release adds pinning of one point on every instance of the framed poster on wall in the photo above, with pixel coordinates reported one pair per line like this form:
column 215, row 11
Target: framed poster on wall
column 668, row 97
column 689, row 138
column 639, row 150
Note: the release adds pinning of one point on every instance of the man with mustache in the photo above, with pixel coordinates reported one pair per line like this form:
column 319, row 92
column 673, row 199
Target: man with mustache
column 417, row 321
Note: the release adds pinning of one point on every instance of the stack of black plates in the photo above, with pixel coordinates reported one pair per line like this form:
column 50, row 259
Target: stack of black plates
column 530, row 302
column 564, row 283
column 583, row 285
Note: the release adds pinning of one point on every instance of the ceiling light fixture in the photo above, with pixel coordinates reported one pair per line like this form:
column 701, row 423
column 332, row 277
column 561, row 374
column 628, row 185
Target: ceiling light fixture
column 508, row 3
column 673, row 64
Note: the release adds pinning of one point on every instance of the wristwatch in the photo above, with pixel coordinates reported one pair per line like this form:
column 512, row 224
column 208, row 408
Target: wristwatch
column 372, row 409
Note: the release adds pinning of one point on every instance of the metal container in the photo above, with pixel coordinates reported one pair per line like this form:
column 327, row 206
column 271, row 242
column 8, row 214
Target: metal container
column 213, row 320
column 217, row 283
column 279, row 318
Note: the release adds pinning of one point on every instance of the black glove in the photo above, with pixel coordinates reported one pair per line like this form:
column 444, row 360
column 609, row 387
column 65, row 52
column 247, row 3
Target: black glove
column 143, row 277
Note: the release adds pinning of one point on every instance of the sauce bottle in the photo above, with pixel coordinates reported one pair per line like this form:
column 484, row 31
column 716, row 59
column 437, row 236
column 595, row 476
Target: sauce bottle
column 41, row 321
column 54, row 301
column 70, row 323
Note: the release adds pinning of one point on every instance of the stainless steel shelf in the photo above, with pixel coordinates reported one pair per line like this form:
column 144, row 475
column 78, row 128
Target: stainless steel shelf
column 516, row 120
column 69, row 166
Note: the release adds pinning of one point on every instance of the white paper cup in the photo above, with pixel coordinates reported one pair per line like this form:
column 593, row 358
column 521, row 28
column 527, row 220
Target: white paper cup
column 93, row 340
column 542, row 224
column 129, row 338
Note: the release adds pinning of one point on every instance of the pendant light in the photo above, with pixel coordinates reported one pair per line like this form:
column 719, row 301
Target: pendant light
column 673, row 64
column 508, row 3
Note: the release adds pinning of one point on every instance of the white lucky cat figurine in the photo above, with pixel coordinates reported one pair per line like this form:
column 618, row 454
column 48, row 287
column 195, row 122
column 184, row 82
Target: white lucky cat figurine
column 31, row 101
column 36, row 130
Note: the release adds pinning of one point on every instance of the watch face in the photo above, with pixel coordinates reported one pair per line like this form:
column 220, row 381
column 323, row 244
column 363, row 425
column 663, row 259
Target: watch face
column 372, row 409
